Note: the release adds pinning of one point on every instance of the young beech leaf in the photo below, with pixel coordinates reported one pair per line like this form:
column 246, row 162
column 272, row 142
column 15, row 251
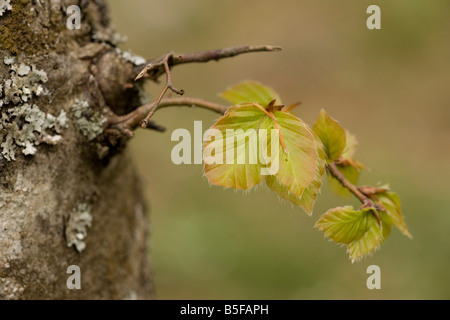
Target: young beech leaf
column 391, row 202
column 344, row 224
column 297, row 156
column 309, row 195
column 298, row 159
column 359, row 230
column 251, row 92
column 331, row 134
column 297, row 166
column 372, row 238
column 228, row 172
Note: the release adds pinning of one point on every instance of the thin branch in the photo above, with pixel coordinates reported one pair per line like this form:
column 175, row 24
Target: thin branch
column 154, row 68
column 163, row 65
column 127, row 123
column 205, row 56
column 365, row 200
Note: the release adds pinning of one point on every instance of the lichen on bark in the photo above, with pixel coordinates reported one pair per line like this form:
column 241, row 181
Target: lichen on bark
column 23, row 125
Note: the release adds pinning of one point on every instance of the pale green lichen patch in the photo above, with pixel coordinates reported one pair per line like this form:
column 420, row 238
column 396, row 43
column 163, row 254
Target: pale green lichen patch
column 5, row 5
column 24, row 127
column 23, row 70
column 24, row 81
column 9, row 60
column 76, row 229
column 89, row 121
column 22, row 124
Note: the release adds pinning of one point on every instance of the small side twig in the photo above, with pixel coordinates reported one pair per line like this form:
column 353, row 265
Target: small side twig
column 127, row 123
column 169, row 85
column 372, row 191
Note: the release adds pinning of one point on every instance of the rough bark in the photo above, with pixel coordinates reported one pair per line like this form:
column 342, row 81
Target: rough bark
column 69, row 166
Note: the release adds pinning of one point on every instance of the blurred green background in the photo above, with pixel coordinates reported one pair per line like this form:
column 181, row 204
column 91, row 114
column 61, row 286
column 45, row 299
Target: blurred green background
column 390, row 87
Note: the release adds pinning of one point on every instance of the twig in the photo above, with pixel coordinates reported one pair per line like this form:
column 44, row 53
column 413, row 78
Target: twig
column 163, row 65
column 169, row 85
column 348, row 185
column 365, row 200
column 129, row 122
column 154, row 68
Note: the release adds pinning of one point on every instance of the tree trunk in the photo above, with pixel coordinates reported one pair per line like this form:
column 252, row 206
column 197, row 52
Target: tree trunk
column 69, row 193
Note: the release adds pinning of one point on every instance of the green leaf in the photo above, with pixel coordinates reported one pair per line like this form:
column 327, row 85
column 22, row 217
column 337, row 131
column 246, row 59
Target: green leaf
column 344, row 224
column 297, row 167
column 359, row 230
column 250, row 92
column 372, row 238
column 309, row 195
column 296, row 152
column 369, row 242
column 331, row 134
column 244, row 120
column 391, row 202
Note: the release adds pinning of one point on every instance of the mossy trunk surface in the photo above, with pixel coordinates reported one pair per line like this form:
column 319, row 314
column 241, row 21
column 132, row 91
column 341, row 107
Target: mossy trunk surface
column 69, row 194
